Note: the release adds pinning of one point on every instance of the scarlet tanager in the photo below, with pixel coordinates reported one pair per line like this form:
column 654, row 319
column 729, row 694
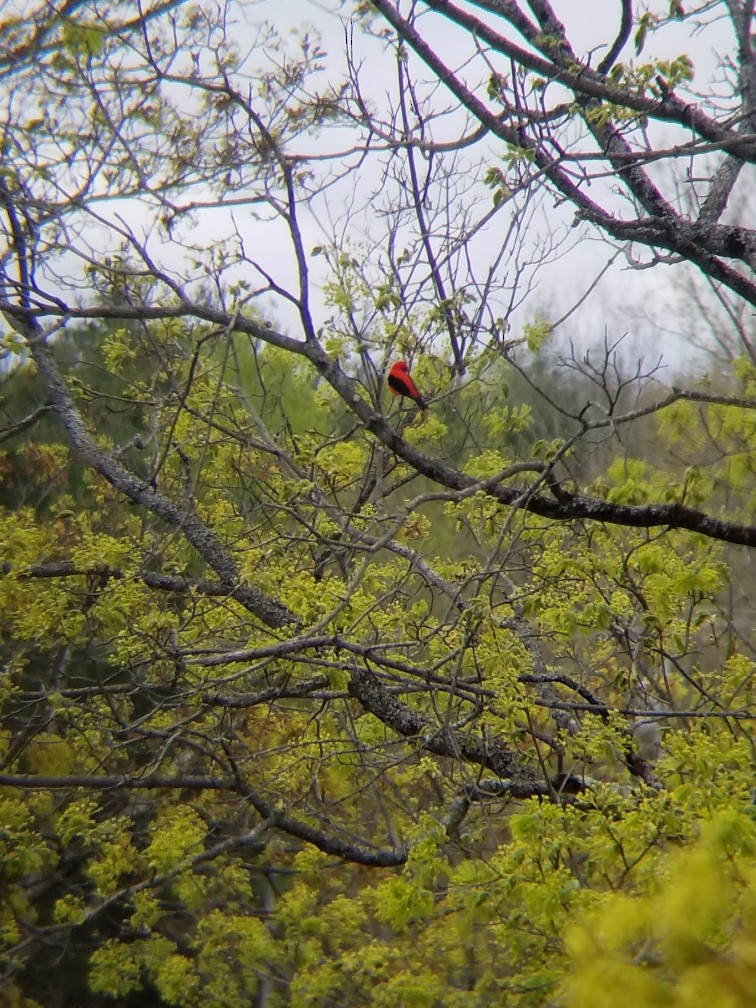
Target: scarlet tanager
column 400, row 384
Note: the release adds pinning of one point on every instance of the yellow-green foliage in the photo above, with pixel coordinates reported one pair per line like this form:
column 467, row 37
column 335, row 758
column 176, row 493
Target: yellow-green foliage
column 117, row 681
column 690, row 941
column 719, row 446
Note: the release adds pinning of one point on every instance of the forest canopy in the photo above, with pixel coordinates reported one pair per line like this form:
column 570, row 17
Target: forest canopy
column 310, row 696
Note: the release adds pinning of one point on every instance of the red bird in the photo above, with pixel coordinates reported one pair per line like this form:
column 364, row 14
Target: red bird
column 400, row 384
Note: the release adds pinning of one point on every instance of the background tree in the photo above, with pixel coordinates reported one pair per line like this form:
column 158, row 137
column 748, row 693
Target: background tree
column 306, row 701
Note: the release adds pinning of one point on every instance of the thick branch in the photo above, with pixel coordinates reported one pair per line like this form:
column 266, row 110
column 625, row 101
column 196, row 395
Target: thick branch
column 665, row 230
column 267, row 809
column 490, row 753
column 581, row 79
column 204, row 540
column 567, row 508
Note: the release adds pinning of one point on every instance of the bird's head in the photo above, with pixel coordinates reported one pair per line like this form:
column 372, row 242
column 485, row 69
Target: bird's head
column 401, row 365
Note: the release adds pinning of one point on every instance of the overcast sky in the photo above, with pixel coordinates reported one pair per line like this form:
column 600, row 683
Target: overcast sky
column 638, row 302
